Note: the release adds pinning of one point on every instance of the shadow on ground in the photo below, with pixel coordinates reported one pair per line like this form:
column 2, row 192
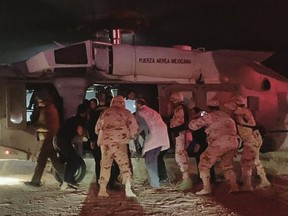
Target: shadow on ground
column 116, row 204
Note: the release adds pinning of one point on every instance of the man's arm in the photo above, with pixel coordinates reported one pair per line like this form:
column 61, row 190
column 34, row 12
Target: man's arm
column 133, row 126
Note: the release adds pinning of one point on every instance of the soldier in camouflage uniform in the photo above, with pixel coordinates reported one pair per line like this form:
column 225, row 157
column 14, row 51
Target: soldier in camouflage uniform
column 115, row 128
column 179, row 128
column 222, row 144
column 252, row 142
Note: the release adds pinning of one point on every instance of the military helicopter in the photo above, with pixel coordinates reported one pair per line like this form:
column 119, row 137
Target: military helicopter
column 82, row 70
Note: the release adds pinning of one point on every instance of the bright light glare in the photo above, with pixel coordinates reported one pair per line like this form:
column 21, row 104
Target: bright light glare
column 10, row 181
column 130, row 105
column 7, row 152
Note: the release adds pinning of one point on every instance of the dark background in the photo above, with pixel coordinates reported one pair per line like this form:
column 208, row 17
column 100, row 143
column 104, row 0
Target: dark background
column 29, row 26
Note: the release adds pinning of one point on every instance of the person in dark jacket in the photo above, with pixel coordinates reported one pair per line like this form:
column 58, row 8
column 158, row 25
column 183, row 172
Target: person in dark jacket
column 50, row 122
column 64, row 137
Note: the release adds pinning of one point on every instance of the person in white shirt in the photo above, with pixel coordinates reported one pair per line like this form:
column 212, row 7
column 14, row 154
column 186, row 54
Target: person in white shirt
column 156, row 138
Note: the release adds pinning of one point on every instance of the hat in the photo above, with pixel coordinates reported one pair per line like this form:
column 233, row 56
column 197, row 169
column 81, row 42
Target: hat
column 176, row 97
column 213, row 103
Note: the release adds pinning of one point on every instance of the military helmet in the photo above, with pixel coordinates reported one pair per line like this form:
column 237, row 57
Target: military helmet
column 118, row 101
column 176, row 97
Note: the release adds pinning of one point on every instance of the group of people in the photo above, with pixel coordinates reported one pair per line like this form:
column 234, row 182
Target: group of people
column 110, row 127
column 222, row 131
column 220, row 143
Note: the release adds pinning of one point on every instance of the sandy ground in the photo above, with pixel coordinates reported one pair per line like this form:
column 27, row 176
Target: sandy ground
column 19, row 199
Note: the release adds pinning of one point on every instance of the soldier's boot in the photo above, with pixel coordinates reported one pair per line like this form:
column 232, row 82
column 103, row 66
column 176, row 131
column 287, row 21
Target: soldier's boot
column 247, row 186
column 186, row 182
column 206, row 188
column 102, row 191
column 128, row 190
column 264, row 182
column 234, row 188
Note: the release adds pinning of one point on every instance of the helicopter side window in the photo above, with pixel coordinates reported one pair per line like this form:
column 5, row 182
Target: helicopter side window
column 30, row 103
column 16, row 107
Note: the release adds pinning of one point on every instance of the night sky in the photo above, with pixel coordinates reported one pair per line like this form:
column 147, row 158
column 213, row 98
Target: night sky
column 28, row 26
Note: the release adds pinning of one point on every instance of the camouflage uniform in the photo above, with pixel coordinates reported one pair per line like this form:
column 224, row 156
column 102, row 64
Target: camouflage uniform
column 115, row 128
column 178, row 126
column 181, row 155
column 252, row 142
column 222, row 144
